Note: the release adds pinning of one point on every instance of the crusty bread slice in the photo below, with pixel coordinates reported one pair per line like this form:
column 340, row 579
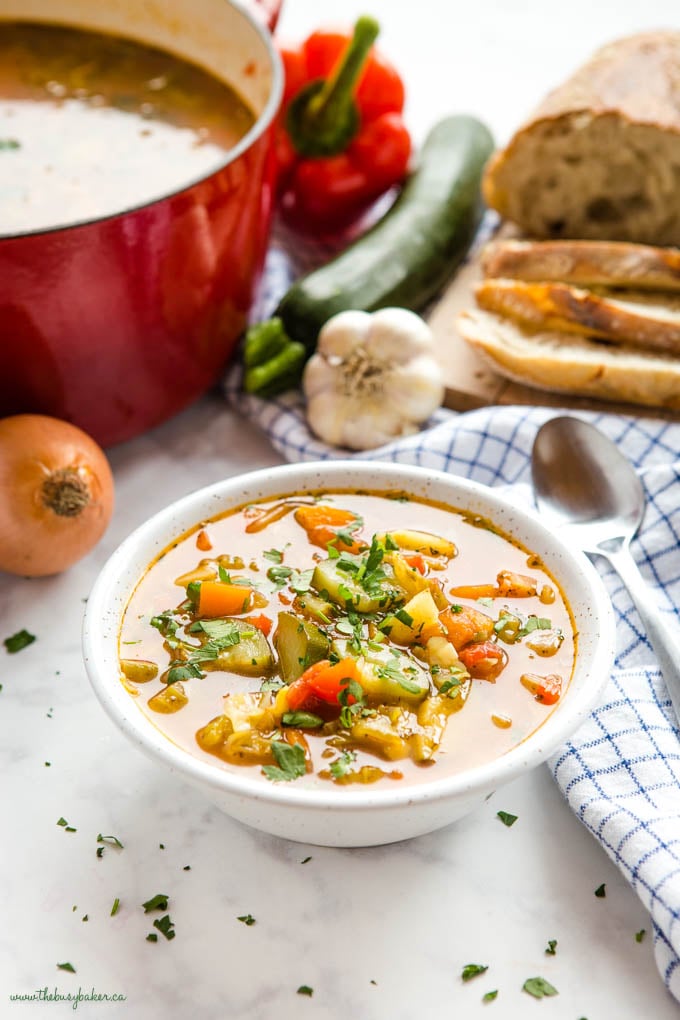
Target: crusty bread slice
column 585, row 263
column 645, row 320
column 601, row 156
column 565, row 363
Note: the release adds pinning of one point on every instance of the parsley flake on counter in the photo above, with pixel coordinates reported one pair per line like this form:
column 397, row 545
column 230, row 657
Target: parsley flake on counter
column 17, row 641
column 100, row 851
column 539, row 987
column 551, row 948
column 305, row 860
column 305, row 990
column 247, row 919
column 85, row 917
column 157, row 902
column 490, row 996
column 111, row 840
column 601, row 891
column 165, row 926
column 290, row 762
column 639, row 935
column 66, row 966
column 187, row 867
column 115, row 906
column 48, row 764
column 471, row 970
column 152, row 937
column 506, row 818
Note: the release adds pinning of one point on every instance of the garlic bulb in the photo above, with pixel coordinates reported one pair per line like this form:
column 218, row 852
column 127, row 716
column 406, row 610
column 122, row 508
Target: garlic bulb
column 372, row 379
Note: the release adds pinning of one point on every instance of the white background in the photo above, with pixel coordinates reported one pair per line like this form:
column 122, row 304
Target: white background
column 407, row 917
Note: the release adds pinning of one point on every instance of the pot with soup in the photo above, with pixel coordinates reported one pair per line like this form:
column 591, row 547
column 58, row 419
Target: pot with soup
column 347, row 647
column 136, row 177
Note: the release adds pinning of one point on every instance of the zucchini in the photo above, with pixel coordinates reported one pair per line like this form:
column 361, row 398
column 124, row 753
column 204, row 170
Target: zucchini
column 342, row 589
column 410, row 253
column 299, row 644
column 249, row 656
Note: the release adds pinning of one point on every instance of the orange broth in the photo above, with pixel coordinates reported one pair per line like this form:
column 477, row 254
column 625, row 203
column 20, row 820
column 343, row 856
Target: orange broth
column 471, row 736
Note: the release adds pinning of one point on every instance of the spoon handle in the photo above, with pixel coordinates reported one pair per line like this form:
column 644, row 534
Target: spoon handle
column 664, row 641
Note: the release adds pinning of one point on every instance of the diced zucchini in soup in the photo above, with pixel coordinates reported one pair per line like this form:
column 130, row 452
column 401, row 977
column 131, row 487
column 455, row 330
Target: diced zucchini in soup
column 388, row 676
column 341, row 588
column 299, row 644
column 250, row 656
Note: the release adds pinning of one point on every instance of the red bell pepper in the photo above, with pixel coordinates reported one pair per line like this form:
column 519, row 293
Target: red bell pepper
column 321, row 686
column 341, row 140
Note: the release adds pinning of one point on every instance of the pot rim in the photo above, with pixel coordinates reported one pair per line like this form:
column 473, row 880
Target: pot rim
column 257, row 130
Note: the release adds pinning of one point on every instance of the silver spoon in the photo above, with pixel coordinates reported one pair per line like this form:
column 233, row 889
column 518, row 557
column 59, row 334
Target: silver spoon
column 589, row 488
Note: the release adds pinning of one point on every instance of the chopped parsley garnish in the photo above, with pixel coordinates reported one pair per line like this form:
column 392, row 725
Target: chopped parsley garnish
column 165, row 927
column 100, row 851
column 275, row 555
column 182, row 671
column 601, row 891
column 351, row 689
column 392, row 671
column 485, row 601
column 306, row 720
column 301, row 581
column 472, row 970
column 274, row 683
column 539, row 987
column 279, row 575
column 506, row 818
column 66, row 966
column 187, row 867
column 62, row 822
column 332, row 551
column 17, row 641
column 305, row 990
column 85, row 917
column 551, row 948
column 290, row 762
column 404, row 617
column 6, row 145
column 247, row 919
column 157, row 902
column 342, row 765
column 115, row 906
column 152, row 937
column 65, row 826
column 306, row 860
column 490, row 996
column 167, row 625
column 111, row 840
column 534, row 623
column 639, row 935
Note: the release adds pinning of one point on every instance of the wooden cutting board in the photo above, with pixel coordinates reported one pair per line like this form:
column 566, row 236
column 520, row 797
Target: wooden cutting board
column 471, row 383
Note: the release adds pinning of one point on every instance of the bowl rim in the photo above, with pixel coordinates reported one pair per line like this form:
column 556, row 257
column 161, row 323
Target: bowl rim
column 530, row 752
column 261, row 124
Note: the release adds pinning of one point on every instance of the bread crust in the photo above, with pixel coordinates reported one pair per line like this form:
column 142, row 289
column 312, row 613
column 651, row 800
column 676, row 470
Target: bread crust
column 628, row 97
column 564, row 363
column 585, row 263
column 624, row 318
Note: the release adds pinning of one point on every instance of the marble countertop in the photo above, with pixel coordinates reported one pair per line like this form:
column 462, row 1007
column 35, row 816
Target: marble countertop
column 376, row 933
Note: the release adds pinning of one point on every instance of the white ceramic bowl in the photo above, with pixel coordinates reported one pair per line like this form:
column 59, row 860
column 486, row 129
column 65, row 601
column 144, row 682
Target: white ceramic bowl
column 368, row 816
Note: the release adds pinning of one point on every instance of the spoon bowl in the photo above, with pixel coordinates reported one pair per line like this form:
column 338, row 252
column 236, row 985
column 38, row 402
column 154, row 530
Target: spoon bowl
column 592, row 492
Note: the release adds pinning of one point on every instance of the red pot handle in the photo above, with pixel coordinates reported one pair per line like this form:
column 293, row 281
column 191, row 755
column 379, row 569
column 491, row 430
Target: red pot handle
column 269, row 10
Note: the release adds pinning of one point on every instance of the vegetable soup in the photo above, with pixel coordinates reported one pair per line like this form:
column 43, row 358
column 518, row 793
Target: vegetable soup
column 93, row 124
column 344, row 638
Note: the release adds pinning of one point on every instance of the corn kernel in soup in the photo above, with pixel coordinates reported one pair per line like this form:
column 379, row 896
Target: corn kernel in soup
column 344, row 638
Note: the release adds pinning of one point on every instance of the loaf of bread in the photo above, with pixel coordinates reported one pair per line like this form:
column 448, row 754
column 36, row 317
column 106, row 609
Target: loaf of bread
column 642, row 319
column 601, row 156
column 585, row 263
column 564, row 363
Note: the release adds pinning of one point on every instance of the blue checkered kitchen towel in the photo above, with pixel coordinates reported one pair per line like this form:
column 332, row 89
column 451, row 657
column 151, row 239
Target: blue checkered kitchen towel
column 621, row 772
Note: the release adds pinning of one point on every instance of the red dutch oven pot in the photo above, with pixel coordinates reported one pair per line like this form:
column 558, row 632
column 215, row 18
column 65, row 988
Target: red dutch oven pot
column 117, row 323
